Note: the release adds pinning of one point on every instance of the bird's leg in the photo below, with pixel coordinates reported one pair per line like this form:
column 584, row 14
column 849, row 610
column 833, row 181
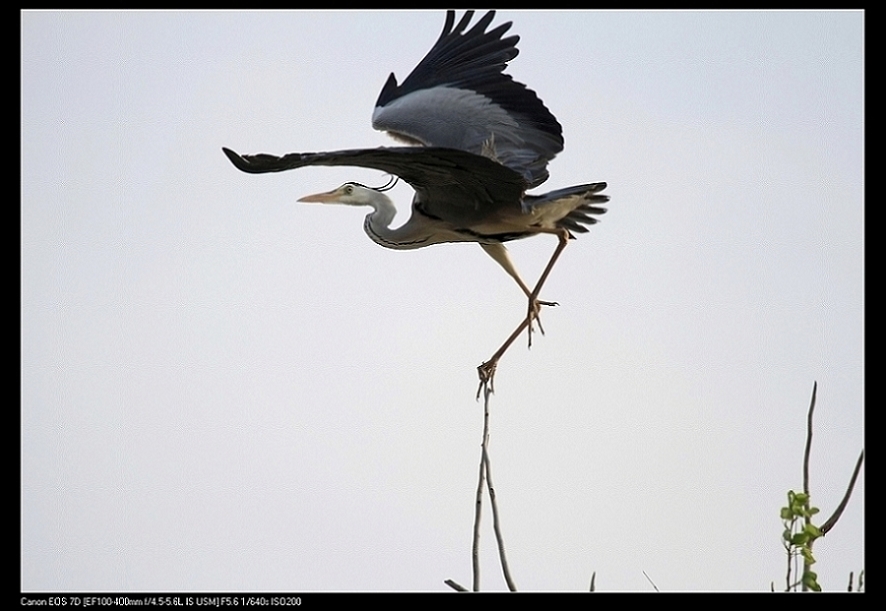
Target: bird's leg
column 563, row 234
column 486, row 371
column 498, row 252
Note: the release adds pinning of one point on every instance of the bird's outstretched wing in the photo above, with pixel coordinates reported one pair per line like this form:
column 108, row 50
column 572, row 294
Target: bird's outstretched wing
column 456, row 186
column 459, row 97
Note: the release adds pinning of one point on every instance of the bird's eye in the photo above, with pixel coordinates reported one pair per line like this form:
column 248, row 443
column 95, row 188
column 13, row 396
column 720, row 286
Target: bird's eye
column 349, row 189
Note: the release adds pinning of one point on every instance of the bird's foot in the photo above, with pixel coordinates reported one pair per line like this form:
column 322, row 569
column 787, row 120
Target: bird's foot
column 533, row 315
column 486, row 372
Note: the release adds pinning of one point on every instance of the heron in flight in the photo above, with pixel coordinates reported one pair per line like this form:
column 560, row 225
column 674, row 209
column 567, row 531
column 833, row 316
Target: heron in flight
column 482, row 140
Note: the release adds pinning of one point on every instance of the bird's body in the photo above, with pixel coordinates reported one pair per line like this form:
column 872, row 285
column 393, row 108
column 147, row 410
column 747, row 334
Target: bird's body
column 468, row 197
column 484, row 139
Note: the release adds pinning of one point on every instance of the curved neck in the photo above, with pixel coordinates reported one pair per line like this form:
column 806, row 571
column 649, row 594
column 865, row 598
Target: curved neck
column 413, row 234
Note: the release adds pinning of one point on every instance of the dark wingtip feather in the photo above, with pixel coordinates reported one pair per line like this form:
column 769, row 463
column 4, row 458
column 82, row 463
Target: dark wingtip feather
column 263, row 163
column 238, row 161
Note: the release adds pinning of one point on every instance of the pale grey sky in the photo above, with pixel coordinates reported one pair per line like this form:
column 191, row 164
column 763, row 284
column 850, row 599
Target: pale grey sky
column 223, row 389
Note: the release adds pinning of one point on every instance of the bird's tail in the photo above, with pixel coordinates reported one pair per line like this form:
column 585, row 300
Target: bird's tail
column 580, row 200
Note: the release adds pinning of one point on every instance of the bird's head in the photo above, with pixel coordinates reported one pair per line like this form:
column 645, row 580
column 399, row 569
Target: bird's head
column 349, row 194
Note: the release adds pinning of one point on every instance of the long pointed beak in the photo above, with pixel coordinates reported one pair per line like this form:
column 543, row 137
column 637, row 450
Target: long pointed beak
column 321, row 198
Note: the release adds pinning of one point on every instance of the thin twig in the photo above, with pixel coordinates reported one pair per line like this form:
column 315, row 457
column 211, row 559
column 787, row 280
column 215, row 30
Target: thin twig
column 831, row 521
column 808, row 518
column 650, row 581
column 455, row 585
column 495, row 525
column 475, row 550
column 787, row 577
column 481, row 480
column 593, row 578
column 808, row 441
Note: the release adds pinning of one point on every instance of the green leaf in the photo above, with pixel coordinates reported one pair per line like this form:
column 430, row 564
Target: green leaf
column 799, row 538
column 786, row 513
column 812, row 530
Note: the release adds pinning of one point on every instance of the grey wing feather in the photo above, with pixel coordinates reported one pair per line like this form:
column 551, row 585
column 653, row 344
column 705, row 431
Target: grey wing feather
column 452, row 185
column 458, row 97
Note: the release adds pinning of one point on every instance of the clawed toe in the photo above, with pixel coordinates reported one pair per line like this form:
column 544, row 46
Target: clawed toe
column 486, row 372
column 533, row 315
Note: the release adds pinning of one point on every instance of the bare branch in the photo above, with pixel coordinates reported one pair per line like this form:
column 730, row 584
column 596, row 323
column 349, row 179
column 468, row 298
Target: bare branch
column 495, row 525
column 481, row 480
column 593, row 578
column 485, row 478
column 806, row 453
column 455, row 585
column 831, row 521
column 650, row 581
column 787, row 577
column 808, row 440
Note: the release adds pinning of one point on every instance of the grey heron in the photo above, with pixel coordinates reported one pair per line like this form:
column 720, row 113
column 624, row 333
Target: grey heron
column 483, row 141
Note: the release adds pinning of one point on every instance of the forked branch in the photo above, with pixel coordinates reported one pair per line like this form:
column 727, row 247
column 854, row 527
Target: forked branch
column 800, row 543
column 485, row 479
